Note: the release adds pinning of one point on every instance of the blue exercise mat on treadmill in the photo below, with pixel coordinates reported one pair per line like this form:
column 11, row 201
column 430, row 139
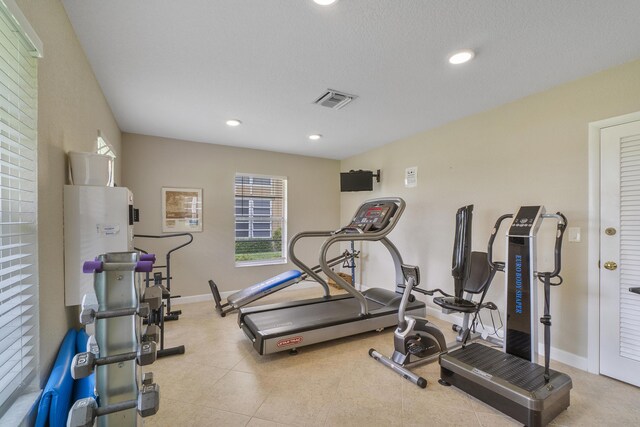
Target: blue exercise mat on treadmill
column 56, row 397
column 265, row 287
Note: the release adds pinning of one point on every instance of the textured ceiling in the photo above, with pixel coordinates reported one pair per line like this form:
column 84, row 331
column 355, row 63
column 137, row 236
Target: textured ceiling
column 179, row 69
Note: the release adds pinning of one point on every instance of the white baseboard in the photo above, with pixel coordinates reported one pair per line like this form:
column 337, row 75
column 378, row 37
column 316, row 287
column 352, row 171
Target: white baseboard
column 565, row 357
column 194, row 298
column 438, row 314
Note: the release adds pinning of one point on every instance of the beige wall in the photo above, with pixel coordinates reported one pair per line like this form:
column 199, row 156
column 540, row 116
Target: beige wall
column 532, row 151
column 71, row 108
column 151, row 163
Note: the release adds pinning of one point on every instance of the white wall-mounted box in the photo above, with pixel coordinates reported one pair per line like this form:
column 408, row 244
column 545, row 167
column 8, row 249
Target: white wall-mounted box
column 96, row 220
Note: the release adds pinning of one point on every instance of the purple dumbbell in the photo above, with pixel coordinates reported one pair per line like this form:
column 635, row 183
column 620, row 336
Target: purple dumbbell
column 144, row 266
column 148, row 257
column 92, row 266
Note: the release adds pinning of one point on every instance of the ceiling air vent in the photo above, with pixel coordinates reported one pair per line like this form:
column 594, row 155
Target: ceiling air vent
column 334, row 99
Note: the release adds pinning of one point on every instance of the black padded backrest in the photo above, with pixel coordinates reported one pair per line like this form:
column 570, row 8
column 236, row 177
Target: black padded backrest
column 480, row 273
column 460, row 262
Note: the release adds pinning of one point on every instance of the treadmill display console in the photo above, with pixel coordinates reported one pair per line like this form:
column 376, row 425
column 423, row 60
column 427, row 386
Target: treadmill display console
column 374, row 216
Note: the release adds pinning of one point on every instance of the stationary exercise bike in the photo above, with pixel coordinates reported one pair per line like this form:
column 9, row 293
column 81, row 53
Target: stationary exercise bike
column 418, row 341
column 414, row 336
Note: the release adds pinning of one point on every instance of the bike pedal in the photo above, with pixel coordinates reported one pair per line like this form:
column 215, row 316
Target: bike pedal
column 416, row 349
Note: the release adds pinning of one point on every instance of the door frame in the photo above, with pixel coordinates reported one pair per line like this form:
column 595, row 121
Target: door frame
column 593, row 233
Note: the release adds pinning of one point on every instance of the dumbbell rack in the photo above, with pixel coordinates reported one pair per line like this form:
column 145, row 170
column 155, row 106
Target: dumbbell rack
column 117, row 287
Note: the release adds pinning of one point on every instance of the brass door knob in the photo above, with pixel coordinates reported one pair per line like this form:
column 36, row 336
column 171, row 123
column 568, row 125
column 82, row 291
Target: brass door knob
column 610, row 265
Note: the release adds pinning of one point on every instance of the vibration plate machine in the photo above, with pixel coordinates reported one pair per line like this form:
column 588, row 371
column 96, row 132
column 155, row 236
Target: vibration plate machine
column 511, row 380
column 286, row 326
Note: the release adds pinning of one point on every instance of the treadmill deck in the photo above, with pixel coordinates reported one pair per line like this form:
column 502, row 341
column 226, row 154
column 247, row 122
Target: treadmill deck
column 280, row 327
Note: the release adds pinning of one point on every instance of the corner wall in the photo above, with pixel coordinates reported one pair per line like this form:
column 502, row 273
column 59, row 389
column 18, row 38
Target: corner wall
column 71, row 109
column 532, row 151
column 150, row 163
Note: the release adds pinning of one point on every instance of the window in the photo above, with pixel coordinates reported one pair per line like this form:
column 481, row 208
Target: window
column 260, row 213
column 19, row 49
column 253, row 208
column 104, row 147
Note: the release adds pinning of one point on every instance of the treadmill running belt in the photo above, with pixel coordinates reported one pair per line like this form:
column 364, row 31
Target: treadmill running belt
column 308, row 316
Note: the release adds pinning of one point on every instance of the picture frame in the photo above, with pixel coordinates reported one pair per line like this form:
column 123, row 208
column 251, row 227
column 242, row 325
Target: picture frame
column 181, row 210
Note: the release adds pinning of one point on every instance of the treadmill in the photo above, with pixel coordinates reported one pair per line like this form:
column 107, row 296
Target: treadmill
column 287, row 326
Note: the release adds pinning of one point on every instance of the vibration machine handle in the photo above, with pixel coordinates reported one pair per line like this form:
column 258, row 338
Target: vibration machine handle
column 557, row 255
column 546, row 277
column 497, row 265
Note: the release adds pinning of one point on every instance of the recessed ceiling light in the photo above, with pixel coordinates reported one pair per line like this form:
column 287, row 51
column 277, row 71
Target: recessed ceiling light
column 315, row 136
column 325, row 2
column 234, row 122
column 461, row 56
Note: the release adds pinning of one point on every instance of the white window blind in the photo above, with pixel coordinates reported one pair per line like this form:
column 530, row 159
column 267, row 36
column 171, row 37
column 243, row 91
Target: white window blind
column 260, row 219
column 18, row 203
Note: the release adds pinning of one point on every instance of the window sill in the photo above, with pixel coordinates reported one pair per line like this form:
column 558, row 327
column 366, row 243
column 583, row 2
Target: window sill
column 23, row 411
column 261, row 262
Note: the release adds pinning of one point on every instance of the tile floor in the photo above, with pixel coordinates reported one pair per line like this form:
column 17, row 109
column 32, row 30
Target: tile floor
column 222, row 381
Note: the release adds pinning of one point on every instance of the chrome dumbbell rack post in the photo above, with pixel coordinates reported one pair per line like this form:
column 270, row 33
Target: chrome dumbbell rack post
column 117, row 288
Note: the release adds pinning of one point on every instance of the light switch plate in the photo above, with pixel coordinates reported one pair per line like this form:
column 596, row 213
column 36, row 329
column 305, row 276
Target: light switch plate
column 574, row 234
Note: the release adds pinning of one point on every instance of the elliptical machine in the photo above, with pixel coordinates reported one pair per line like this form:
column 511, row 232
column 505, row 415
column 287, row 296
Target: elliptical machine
column 418, row 341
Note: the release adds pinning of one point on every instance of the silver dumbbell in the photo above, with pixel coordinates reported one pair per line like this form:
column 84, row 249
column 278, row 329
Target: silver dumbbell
column 84, row 411
column 84, row 363
column 89, row 311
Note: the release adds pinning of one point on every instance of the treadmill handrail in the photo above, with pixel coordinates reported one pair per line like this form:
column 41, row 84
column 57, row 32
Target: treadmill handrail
column 304, row 267
column 345, row 256
column 368, row 236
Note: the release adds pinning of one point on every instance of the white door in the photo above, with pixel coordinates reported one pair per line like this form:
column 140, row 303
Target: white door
column 620, row 252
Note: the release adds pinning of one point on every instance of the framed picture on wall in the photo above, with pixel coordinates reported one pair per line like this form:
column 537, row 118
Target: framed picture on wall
column 181, row 209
